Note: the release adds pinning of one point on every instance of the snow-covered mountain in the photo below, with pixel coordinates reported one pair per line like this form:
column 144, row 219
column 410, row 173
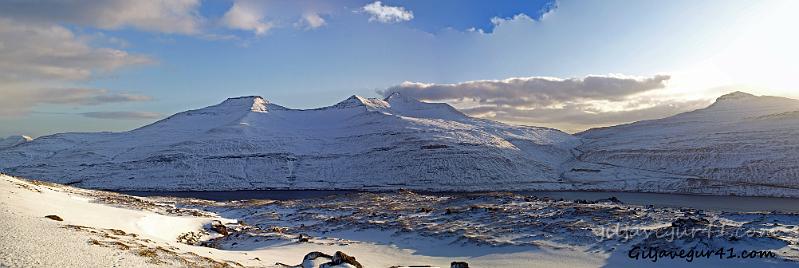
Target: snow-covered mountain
column 741, row 144
column 250, row 143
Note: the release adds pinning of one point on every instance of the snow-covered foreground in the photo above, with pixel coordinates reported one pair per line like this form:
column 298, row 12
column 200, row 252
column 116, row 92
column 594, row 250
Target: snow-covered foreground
column 102, row 229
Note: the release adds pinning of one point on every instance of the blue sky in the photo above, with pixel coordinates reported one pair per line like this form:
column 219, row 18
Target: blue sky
column 117, row 65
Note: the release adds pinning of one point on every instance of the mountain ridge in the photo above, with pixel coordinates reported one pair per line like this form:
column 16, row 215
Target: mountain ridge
column 249, row 143
column 731, row 147
column 398, row 142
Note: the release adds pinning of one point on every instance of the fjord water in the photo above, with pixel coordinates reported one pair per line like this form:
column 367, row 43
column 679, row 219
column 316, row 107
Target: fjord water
column 704, row 202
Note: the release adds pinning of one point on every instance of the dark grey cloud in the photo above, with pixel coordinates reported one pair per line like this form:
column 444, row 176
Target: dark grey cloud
column 122, row 115
column 533, row 91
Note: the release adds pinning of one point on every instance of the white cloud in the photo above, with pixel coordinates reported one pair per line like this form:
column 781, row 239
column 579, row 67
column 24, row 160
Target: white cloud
column 497, row 21
column 387, row 14
column 245, row 16
column 311, row 20
column 166, row 16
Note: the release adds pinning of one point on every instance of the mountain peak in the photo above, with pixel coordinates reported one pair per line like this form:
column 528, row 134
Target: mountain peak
column 737, row 95
column 393, row 95
column 358, row 101
column 398, row 97
column 253, row 103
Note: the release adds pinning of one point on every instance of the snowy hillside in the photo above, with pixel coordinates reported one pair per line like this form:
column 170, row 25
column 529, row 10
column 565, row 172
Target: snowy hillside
column 13, row 141
column 250, row 143
column 742, row 144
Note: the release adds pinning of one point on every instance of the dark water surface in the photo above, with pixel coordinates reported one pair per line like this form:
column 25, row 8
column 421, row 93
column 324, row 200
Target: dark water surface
column 726, row 203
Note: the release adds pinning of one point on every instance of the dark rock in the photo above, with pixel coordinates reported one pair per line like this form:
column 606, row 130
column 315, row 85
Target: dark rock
column 54, row 217
column 449, row 211
column 316, row 254
column 405, row 191
column 341, row 258
column 613, row 200
column 434, row 146
column 459, row 264
column 220, row 228
column 689, row 223
column 303, row 238
column 308, row 257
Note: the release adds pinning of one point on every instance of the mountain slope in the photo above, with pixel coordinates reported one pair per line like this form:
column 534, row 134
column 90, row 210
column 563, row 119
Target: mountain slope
column 249, row 143
column 12, row 141
column 741, row 144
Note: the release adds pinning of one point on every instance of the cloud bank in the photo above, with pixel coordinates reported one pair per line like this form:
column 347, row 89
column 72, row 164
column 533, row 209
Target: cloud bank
column 533, row 91
column 165, row 16
column 16, row 102
column 122, row 115
column 572, row 103
column 52, row 52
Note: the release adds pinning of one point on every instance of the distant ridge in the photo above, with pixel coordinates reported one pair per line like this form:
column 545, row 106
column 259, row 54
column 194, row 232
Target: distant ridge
column 741, row 144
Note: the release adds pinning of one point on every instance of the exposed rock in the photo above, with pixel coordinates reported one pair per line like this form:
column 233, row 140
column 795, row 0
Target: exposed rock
column 54, row 217
column 690, row 223
column 425, row 210
column 459, row 264
column 340, row 258
column 303, row 238
column 310, row 260
column 220, row 228
column 405, row 191
column 612, row 199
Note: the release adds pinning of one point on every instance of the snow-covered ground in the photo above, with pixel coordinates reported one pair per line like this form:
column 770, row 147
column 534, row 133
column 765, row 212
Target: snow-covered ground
column 102, row 229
